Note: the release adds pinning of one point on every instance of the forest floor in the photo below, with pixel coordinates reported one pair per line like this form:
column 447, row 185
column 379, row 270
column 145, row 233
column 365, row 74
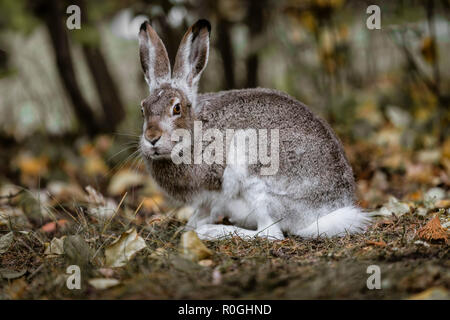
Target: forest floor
column 129, row 243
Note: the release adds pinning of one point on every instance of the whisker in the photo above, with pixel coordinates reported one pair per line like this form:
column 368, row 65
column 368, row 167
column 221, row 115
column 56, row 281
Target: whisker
column 122, row 164
column 126, row 134
column 116, row 154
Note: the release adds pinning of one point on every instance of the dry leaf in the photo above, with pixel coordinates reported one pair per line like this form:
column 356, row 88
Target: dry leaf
column 123, row 249
column 444, row 203
column 206, row 263
column 158, row 253
column 98, row 205
column 124, row 180
column 65, row 192
column 16, row 289
column 432, row 196
column 153, row 204
column 376, row 243
column 193, row 248
column 51, row 226
column 103, row 283
column 438, row 293
column 11, row 274
column 428, row 50
column 55, row 247
column 184, row 213
column 5, row 242
column 30, row 165
column 393, row 206
column 106, row 272
column 433, row 231
column 76, row 250
column 94, row 165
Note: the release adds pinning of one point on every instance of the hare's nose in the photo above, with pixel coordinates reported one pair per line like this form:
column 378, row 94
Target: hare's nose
column 153, row 140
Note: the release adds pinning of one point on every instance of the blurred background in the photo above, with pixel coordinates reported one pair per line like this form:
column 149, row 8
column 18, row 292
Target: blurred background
column 69, row 99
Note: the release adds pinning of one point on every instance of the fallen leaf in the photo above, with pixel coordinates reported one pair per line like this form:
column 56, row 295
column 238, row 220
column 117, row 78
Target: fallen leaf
column 394, row 206
column 61, row 191
column 437, row 293
column 376, row 243
column 158, row 253
column 422, row 211
column 94, row 165
column 184, row 213
column 107, row 272
column 193, row 248
column 103, row 283
column 398, row 117
column 16, row 289
column 428, row 50
column 433, row 231
column 76, row 249
column 153, row 203
column 51, row 226
column 55, row 247
column 431, row 156
column 444, row 203
column 123, row 180
column 432, row 196
column 206, row 263
column 11, row 274
column 124, row 248
column 5, row 242
column 31, row 166
column 99, row 206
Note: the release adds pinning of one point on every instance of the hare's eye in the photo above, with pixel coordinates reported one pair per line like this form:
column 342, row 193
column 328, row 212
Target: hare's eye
column 176, row 109
column 142, row 111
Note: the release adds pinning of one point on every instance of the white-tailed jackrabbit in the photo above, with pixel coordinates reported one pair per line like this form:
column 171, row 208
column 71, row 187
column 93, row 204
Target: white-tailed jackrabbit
column 311, row 192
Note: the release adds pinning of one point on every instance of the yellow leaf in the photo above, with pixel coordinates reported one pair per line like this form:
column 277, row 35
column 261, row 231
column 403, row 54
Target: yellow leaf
column 94, row 165
column 193, row 248
column 32, row 166
column 123, row 249
column 124, row 180
column 437, row 293
column 428, row 50
column 153, row 203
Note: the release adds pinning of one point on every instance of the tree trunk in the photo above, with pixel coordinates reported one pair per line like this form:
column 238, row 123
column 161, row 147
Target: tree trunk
column 255, row 22
column 226, row 51
column 52, row 14
column 107, row 90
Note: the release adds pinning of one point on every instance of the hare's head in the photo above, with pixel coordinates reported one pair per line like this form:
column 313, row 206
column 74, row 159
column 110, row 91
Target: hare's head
column 172, row 100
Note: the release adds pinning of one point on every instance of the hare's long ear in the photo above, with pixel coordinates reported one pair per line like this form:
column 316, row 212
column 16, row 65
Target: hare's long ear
column 192, row 55
column 154, row 59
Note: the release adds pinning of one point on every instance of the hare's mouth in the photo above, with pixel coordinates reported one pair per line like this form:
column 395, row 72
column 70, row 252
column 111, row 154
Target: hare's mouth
column 155, row 154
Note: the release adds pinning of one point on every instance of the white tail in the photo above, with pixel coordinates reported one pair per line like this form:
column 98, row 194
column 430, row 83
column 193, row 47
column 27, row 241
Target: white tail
column 339, row 222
